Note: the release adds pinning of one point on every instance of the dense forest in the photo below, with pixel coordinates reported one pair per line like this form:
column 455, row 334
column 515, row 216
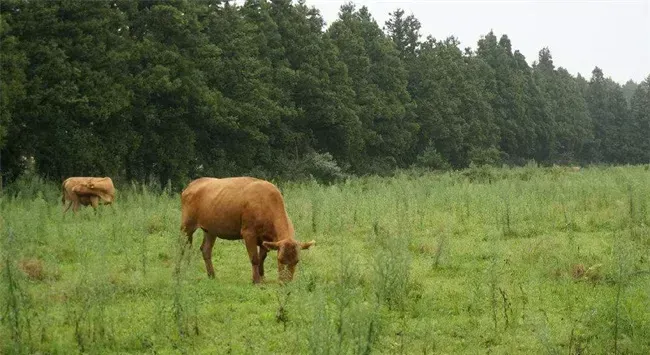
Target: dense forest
column 174, row 89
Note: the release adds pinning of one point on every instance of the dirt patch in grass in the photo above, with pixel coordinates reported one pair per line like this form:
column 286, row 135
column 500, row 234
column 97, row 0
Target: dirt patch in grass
column 33, row 268
column 581, row 272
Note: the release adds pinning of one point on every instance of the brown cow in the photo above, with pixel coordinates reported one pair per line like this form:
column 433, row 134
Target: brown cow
column 87, row 191
column 241, row 208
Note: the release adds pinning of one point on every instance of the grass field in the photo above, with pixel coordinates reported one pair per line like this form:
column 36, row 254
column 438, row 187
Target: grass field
column 506, row 261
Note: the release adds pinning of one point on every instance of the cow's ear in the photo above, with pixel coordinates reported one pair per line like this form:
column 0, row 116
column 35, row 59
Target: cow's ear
column 271, row 245
column 307, row 245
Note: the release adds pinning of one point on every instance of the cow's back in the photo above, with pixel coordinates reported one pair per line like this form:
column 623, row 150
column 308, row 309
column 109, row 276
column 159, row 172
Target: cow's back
column 102, row 187
column 70, row 183
column 222, row 206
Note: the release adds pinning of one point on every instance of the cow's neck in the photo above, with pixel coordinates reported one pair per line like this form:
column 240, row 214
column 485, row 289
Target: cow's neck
column 283, row 229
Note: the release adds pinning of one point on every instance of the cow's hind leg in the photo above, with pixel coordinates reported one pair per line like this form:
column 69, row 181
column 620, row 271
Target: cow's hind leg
column 75, row 205
column 188, row 230
column 206, row 249
column 68, row 207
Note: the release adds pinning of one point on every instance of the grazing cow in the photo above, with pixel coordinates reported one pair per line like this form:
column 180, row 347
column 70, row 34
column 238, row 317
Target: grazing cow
column 87, row 191
column 241, row 208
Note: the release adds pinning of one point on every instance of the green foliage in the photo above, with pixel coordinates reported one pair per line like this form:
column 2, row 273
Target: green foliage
column 481, row 157
column 571, row 124
column 628, row 90
column 12, row 72
column 31, row 186
column 431, row 159
column 405, row 33
column 480, row 174
column 519, row 113
column 639, row 128
column 611, row 118
column 319, row 167
column 173, row 90
column 383, row 104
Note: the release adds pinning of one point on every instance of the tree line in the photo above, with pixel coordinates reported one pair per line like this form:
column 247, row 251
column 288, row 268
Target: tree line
column 175, row 89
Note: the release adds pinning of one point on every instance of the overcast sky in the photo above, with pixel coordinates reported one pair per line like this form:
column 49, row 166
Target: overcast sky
column 611, row 34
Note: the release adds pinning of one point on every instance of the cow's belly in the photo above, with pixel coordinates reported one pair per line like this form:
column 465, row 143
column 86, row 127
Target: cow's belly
column 220, row 215
column 229, row 237
column 222, row 229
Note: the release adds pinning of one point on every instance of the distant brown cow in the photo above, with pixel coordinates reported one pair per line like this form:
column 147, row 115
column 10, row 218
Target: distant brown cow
column 87, row 191
column 242, row 208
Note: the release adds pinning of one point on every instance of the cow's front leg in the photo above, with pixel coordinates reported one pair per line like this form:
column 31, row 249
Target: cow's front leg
column 263, row 252
column 253, row 255
column 94, row 201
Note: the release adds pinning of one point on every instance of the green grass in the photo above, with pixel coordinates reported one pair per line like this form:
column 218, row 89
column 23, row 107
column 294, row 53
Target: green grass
column 525, row 260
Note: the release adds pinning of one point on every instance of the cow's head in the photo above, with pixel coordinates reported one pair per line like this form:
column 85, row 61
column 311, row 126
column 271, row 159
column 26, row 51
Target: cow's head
column 288, row 255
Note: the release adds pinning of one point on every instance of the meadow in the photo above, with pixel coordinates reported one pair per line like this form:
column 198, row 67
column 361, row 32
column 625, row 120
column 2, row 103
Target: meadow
column 506, row 261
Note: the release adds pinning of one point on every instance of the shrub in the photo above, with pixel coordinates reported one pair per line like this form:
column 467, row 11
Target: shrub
column 430, row 158
column 480, row 174
column 29, row 186
column 319, row 166
column 490, row 156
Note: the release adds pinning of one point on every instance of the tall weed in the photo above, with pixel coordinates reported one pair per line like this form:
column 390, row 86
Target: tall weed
column 391, row 266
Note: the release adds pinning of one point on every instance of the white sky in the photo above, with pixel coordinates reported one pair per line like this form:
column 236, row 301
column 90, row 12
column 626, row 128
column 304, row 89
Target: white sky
column 611, row 34
column 581, row 34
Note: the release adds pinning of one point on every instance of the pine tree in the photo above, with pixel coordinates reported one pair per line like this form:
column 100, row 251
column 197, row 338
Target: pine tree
column 640, row 117
column 512, row 105
column 13, row 81
column 405, row 33
column 629, row 89
column 571, row 124
column 322, row 91
column 75, row 113
column 379, row 81
column 609, row 112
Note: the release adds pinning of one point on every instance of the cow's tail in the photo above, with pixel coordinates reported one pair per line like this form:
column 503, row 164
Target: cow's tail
column 63, row 193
